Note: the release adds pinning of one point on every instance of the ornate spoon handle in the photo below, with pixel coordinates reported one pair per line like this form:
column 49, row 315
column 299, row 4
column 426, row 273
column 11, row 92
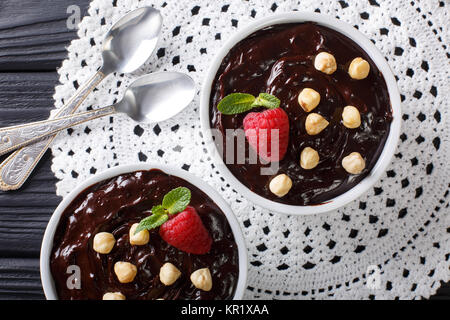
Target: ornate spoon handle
column 12, row 138
column 16, row 169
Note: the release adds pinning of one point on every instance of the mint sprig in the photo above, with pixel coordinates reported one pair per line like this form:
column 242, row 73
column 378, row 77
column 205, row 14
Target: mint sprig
column 236, row 103
column 176, row 200
column 151, row 222
column 267, row 100
column 173, row 202
column 241, row 102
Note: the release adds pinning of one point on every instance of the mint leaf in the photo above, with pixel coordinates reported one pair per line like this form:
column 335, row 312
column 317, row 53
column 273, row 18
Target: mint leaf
column 177, row 200
column 241, row 102
column 267, row 100
column 151, row 222
column 158, row 210
column 236, row 103
column 174, row 202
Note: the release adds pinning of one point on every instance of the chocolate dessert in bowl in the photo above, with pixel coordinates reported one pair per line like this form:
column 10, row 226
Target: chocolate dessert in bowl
column 147, row 232
column 316, row 104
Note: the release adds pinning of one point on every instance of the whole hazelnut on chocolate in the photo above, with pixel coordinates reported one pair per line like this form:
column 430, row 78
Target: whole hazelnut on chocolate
column 202, row 279
column 315, row 124
column 351, row 117
column 168, row 274
column 354, row 163
column 104, row 242
column 309, row 158
column 113, row 296
column 359, row 68
column 280, row 185
column 325, row 62
column 125, row 271
column 308, row 99
column 140, row 238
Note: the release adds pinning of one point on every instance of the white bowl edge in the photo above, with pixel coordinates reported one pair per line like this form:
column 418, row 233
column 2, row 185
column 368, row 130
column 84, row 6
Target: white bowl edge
column 390, row 145
column 47, row 242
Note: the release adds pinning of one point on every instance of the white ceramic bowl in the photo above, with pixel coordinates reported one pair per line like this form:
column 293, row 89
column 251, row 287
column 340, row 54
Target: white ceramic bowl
column 47, row 242
column 391, row 142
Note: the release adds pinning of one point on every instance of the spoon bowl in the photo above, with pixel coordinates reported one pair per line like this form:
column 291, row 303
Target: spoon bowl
column 157, row 96
column 131, row 41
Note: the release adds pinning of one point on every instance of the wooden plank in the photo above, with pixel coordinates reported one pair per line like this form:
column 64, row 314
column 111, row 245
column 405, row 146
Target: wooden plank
column 20, row 279
column 24, row 213
column 34, row 35
column 26, row 97
column 35, row 39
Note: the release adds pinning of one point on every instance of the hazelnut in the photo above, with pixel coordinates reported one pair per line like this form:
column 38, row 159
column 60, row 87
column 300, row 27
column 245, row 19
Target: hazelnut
column 140, row 238
column 168, row 274
column 113, row 296
column 325, row 62
column 308, row 99
column 202, row 279
column 280, row 185
column 351, row 117
column 359, row 69
column 315, row 123
column 354, row 163
column 125, row 271
column 309, row 158
column 104, row 242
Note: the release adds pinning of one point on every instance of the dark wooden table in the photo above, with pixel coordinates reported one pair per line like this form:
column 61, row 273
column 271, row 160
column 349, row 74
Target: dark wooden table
column 33, row 38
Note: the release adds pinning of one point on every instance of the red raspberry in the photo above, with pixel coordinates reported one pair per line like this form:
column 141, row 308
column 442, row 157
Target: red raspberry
column 260, row 139
column 185, row 231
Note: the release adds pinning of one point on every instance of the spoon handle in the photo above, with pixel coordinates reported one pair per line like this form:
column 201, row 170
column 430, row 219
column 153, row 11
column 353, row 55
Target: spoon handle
column 15, row 137
column 16, row 169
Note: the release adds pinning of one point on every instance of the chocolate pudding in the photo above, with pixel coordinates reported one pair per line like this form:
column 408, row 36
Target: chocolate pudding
column 279, row 60
column 113, row 206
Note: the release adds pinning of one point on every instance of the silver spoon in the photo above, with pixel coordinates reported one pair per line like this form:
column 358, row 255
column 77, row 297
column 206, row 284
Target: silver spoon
column 127, row 45
column 151, row 98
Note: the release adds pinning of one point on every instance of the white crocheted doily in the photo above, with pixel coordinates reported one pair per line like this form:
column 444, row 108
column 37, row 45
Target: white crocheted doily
column 393, row 242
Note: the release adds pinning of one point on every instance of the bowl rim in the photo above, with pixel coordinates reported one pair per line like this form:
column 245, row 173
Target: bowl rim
column 390, row 145
column 47, row 242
